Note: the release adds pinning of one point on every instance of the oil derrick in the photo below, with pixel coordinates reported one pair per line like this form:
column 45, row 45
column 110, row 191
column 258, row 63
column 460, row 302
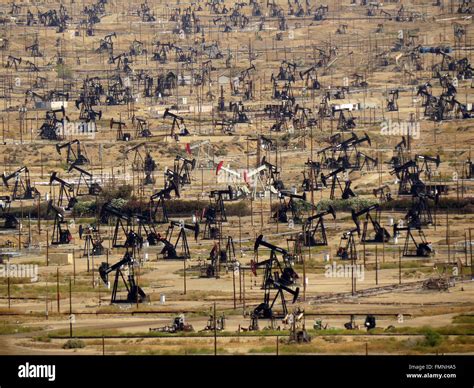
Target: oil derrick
column 242, row 85
column 378, row 234
column 161, row 51
column 117, row 93
column 134, row 293
column 277, row 277
column 149, row 167
column 165, row 83
column 314, row 229
column 366, row 161
column 22, row 188
column 301, row 119
column 90, row 94
column 468, row 169
column 87, row 112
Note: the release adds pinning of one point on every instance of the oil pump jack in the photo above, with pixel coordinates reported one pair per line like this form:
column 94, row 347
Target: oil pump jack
column 134, row 292
column 400, row 153
column 85, row 178
column 315, row 234
column 274, row 183
column 380, row 234
column 392, row 100
column 22, row 188
column 183, row 167
column 345, row 121
column 408, row 176
column 205, row 153
column 419, row 214
column 146, row 227
column 124, row 235
column 277, row 277
column 120, row 125
column 347, row 247
column 383, row 193
column 310, row 176
column 66, row 192
column 158, row 209
column 51, row 127
column 92, row 241
column 77, row 157
column 61, row 233
column 468, row 169
column 346, row 192
column 412, row 247
column 426, row 164
column 169, row 250
column 281, row 215
column 219, row 256
column 211, row 269
column 142, row 128
column 177, row 124
column 215, row 214
column 145, row 164
column 310, row 77
column 10, row 220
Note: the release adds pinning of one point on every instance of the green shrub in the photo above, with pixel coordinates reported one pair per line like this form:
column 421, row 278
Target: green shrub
column 109, row 193
column 432, row 338
column 74, row 344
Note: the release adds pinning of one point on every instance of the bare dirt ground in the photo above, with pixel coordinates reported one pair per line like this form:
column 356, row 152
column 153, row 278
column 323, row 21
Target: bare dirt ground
column 35, row 317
